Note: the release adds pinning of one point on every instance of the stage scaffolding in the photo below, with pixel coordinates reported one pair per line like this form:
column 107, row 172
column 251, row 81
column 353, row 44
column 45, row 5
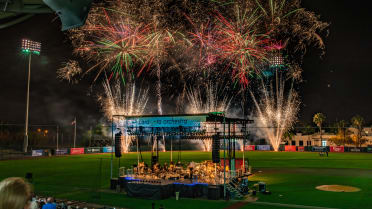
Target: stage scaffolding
column 186, row 127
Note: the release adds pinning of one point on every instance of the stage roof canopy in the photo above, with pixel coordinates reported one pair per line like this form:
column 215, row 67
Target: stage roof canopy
column 177, row 124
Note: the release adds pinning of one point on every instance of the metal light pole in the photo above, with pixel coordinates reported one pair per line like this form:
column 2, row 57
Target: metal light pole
column 224, row 158
column 75, row 133
column 57, row 136
column 29, row 47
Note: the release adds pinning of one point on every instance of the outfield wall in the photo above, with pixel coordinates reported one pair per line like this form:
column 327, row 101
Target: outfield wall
column 248, row 148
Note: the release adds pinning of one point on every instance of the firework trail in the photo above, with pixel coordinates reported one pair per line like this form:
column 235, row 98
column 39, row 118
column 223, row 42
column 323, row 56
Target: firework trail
column 159, row 104
column 209, row 100
column 127, row 101
column 276, row 112
column 69, row 72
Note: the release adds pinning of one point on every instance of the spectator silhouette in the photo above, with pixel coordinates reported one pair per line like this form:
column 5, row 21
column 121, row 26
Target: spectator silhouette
column 15, row 193
column 50, row 204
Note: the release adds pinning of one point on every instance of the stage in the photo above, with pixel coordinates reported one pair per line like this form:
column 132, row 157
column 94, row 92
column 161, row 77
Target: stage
column 163, row 189
column 209, row 179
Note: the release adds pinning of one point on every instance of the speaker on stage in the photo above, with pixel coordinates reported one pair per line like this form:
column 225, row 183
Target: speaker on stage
column 114, row 182
column 216, row 148
column 118, row 144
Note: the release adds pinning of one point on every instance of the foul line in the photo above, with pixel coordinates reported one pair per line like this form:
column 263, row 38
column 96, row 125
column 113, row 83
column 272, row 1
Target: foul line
column 290, row 205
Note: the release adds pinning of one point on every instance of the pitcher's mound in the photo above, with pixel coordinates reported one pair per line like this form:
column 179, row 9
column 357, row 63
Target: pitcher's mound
column 337, row 188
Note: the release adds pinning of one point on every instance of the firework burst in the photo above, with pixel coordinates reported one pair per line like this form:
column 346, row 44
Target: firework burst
column 116, row 41
column 240, row 45
column 69, row 72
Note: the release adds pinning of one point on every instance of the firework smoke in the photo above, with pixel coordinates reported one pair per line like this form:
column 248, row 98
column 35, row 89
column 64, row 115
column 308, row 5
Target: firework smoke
column 275, row 111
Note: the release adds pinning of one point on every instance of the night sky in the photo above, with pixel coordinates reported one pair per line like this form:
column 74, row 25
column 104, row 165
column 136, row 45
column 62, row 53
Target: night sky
column 338, row 84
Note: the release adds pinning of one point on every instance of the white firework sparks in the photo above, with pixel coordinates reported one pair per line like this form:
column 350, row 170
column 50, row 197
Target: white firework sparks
column 209, row 100
column 128, row 101
column 276, row 112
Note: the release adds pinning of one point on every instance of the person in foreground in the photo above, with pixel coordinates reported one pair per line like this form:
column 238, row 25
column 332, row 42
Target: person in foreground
column 15, row 193
column 50, row 204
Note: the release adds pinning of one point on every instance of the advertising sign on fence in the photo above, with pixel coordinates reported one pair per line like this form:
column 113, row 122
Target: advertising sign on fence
column 369, row 149
column 107, row 149
column 249, row 147
column 290, row 148
column 319, row 149
column 264, row 147
column 301, row 149
column 354, row 149
column 337, row 149
column 76, row 151
column 93, row 150
column 61, row 151
column 38, row 152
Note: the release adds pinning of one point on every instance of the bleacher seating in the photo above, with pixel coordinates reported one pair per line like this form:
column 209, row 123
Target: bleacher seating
column 66, row 204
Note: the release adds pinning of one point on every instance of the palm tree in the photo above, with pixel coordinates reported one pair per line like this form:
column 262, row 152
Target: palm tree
column 357, row 122
column 288, row 135
column 318, row 119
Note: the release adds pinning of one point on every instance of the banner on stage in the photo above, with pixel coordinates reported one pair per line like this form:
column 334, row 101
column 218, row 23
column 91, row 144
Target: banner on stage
column 290, row 148
column 61, row 151
column 238, row 163
column 337, row 149
column 301, row 149
column 36, row 153
column 76, row 151
column 160, row 122
column 264, row 147
column 107, row 149
column 250, row 147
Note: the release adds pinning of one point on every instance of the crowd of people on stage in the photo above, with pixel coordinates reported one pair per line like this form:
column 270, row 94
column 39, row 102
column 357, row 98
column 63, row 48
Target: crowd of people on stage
column 143, row 168
column 203, row 172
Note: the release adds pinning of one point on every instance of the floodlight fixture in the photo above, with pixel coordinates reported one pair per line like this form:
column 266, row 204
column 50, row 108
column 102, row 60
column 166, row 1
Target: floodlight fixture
column 29, row 46
column 277, row 60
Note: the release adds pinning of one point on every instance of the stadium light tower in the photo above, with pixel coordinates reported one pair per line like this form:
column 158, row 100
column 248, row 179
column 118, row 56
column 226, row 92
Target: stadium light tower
column 29, row 47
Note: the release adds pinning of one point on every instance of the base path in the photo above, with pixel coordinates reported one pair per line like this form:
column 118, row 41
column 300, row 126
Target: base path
column 290, row 205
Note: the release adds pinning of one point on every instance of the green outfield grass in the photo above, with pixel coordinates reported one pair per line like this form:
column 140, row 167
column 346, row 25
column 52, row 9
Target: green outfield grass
column 291, row 177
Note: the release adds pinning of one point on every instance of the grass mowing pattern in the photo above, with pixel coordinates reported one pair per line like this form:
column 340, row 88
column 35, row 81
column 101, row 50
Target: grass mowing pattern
column 292, row 178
